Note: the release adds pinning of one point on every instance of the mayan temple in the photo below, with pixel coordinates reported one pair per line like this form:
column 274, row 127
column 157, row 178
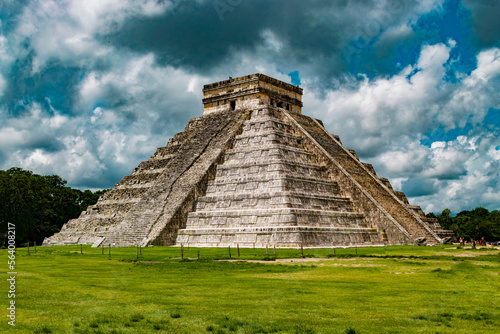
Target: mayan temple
column 254, row 172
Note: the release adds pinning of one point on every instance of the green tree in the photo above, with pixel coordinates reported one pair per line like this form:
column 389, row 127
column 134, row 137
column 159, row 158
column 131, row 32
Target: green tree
column 39, row 205
column 473, row 224
column 445, row 219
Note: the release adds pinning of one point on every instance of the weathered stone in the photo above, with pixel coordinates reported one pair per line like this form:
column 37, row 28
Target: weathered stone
column 253, row 171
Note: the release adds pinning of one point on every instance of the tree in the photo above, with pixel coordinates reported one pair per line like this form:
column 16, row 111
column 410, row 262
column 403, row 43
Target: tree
column 445, row 219
column 39, row 205
column 473, row 224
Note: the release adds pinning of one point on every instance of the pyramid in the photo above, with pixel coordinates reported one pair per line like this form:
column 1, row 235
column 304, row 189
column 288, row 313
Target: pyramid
column 254, row 172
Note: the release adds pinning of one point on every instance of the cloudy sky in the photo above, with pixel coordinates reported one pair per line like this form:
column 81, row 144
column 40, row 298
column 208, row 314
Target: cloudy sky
column 88, row 89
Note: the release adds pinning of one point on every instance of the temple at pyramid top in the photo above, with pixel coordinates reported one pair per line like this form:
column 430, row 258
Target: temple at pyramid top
column 251, row 91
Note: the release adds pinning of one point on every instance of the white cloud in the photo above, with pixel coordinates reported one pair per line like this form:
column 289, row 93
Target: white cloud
column 11, row 137
column 488, row 65
column 494, row 153
column 271, row 40
column 438, row 144
column 66, row 31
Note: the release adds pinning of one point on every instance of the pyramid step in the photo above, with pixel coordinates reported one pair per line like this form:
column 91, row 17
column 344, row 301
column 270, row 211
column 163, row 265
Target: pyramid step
column 254, row 200
column 273, row 165
column 144, row 177
column 112, row 207
column 266, row 137
column 146, row 186
column 265, row 112
column 267, row 147
column 125, row 194
column 273, row 217
column 279, row 236
column 275, row 151
column 272, row 182
column 266, row 123
column 156, row 163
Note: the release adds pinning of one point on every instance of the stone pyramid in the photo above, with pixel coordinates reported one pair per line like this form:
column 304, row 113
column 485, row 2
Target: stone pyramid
column 254, row 172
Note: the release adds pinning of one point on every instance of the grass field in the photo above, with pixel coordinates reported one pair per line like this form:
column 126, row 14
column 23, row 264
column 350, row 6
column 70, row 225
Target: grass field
column 379, row 290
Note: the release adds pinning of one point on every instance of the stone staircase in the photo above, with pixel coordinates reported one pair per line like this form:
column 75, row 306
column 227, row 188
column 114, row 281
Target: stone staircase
column 271, row 191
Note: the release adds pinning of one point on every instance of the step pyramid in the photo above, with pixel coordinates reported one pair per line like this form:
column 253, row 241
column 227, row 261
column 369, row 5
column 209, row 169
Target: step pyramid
column 271, row 191
column 254, row 172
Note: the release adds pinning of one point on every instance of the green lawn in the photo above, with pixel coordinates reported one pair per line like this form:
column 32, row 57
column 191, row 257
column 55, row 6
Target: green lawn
column 393, row 290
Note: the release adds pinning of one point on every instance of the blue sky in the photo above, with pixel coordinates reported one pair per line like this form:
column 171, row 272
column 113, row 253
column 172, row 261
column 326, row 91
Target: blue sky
column 89, row 89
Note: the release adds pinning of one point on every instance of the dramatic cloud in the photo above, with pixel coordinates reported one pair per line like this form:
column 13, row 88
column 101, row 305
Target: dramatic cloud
column 88, row 89
column 485, row 22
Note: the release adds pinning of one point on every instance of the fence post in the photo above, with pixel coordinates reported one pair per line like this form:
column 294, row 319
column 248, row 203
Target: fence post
column 302, row 251
column 35, row 246
column 238, row 245
column 229, row 248
column 109, row 250
column 81, row 248
column 274, row 250
column 182, row 252
column 266, row 252
column 137, row 253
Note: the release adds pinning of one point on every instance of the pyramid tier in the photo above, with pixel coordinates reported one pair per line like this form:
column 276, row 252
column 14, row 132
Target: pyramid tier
column 254, row 139
column 272, row 182
column 97, row 222
column 109, row 207
column 125, row 193
column 270, row 151
column 289, row 236
column 271, row 200
column 265, row 123
column 273, row 217
column 145, row 177
column 260, row 167
column 154, row 163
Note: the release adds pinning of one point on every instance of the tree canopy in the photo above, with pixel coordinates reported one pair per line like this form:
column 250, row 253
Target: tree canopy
column 39, row 205
column 473, row 224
